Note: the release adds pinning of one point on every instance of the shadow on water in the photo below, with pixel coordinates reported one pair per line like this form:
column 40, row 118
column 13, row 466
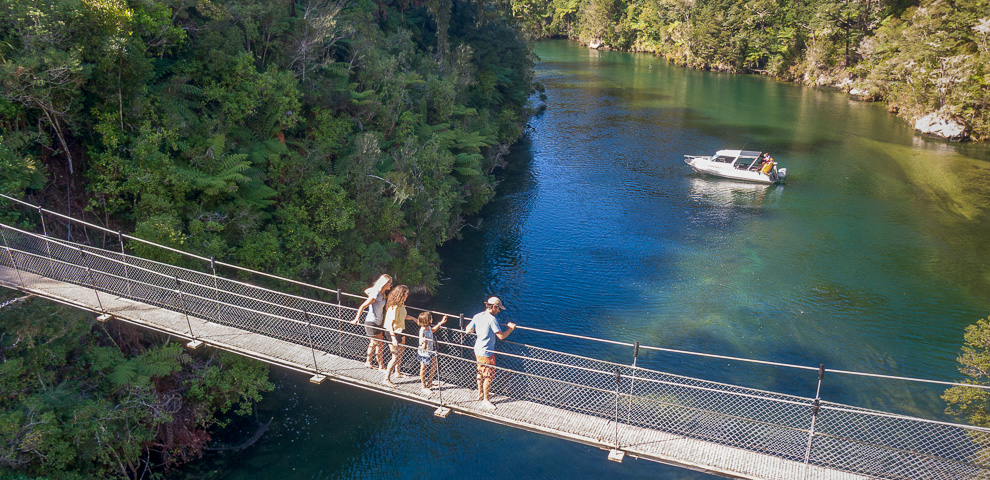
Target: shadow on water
column 332, row 431
column 778, row 140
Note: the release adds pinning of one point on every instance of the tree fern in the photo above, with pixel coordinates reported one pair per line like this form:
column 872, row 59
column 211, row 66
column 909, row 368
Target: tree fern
column 468, row 164
column 467, row 142
column 225, row 176
column 141, row 370
column 426, row 131
column 462, row 111
column 162, row 361
column 242, row 135
column 338, row 69
column 124, row 374
column 184, row 100
column 256, row 193
column 104, row 358
column 357, row 98
column 259, row 153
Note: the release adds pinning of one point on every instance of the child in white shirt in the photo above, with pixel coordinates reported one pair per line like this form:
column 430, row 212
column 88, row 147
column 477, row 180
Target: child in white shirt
column 427, row 352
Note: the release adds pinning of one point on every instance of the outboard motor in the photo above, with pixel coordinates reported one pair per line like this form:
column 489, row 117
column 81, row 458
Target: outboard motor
column 782, row 172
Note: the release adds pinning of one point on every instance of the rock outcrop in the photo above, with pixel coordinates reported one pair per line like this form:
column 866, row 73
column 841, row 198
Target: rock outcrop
column 942, row 126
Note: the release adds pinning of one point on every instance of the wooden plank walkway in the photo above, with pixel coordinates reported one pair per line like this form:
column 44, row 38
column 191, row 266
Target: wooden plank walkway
column 638, row 442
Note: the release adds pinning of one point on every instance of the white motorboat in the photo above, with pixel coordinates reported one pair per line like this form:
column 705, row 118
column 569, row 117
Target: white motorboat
column 748, row 165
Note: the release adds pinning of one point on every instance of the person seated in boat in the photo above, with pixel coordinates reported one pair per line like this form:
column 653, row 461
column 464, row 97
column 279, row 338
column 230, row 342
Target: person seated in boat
column 767, row 164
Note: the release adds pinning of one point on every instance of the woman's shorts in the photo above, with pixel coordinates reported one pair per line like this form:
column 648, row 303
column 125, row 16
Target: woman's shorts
column 373, row 330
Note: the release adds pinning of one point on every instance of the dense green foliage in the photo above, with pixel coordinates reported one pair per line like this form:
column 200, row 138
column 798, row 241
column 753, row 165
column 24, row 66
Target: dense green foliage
column 322, row 140
column 927, row 56
column 79, row 400
column 973, row 404
column 325, row 140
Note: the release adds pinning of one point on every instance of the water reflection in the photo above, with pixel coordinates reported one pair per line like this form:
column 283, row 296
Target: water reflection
column 730, row 193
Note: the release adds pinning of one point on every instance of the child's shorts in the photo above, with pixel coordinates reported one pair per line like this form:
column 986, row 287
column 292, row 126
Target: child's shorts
column 425, row 359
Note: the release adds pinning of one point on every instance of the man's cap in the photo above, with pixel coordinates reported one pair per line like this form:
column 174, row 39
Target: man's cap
column 495, row 301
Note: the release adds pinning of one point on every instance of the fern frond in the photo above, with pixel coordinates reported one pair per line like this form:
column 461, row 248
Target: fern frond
column 124, row 373
column 189, row 90
column 471, row 142
column 257, row 193
column 462, row 111
column 103, row 358
column 360, row 98
column 243, row 135
column 338, row 69
column 468, row 164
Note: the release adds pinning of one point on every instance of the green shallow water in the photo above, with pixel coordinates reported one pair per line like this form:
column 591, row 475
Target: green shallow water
column 872, row 257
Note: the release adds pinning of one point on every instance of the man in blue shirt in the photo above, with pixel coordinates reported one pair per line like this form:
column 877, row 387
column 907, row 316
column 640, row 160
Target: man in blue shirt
column 488, row 330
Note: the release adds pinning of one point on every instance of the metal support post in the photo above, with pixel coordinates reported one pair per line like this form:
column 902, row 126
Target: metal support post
column 814, row 417
column 312, row 344
column 216, row 290
column 340, row 329
column 13, row 263
column 48, row 248
column 615, row 454
column 123, row 258
column 41, row 215
column 318, row 378
column 632, row 382
column 441, row 410
column 92, row 283
column 182, row 305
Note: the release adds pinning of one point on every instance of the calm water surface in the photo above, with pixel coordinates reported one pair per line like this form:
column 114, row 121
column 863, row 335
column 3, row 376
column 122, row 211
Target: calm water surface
column 872, row 257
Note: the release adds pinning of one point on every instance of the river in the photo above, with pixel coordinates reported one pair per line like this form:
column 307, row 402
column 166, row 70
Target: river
column 872, row 257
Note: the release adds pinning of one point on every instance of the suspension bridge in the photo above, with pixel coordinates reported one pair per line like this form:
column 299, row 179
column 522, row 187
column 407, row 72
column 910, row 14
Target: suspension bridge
column 624, row 409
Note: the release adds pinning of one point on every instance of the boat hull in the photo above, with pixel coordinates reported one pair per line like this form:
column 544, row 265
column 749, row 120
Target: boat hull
column 724, row 170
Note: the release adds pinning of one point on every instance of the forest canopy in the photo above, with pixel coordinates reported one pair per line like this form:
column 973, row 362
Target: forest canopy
column 80, row 400
column 324, row 140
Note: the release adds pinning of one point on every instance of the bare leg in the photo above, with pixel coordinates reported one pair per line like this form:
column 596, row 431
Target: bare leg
column 422, row 376
column 486, row 384
column 391, row 364
column 481, row 387
column 399, row 352
column 371, row 352
column 379, row 354
column 433, row 372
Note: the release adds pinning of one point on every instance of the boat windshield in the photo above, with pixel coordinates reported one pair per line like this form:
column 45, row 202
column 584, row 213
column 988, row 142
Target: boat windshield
column 723, row 159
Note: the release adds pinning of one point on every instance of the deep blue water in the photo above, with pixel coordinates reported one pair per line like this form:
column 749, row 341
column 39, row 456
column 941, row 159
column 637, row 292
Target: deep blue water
column 872, row 257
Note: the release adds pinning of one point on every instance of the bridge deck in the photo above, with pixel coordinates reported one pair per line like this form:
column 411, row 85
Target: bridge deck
column 588, row 429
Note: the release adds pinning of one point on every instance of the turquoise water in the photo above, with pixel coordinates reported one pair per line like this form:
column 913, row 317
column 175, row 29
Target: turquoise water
column 872, row 257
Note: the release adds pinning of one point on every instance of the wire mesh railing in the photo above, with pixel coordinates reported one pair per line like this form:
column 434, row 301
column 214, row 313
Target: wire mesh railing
column 622, row 405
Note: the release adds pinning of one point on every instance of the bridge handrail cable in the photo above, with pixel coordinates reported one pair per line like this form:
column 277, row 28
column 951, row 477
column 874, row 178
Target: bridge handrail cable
column 726, row 390
column 439, row 342
column 195, row 272
column 319, row 315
